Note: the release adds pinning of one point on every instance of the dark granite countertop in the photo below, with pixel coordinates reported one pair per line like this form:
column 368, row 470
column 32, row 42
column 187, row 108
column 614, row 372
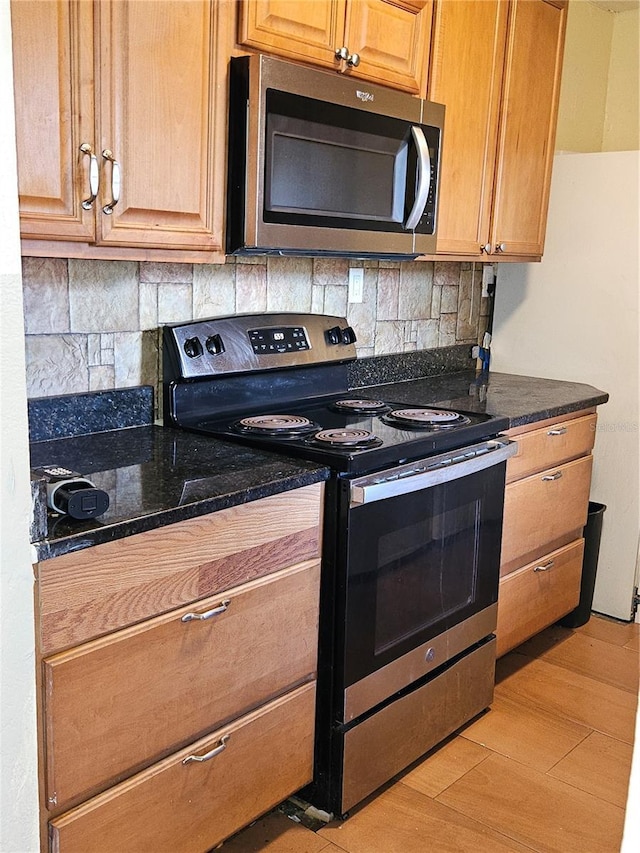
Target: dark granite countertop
column 522, row 399
column 157, row 475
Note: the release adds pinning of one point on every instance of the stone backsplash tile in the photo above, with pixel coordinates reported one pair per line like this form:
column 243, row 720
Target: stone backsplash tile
column 92, row 325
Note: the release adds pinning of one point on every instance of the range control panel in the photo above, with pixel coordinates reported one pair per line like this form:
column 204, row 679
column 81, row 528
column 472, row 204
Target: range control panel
column 283, row 339
column 248, row 342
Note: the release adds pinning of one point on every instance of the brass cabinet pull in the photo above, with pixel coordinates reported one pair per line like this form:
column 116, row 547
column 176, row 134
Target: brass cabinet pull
column 558, row 431
column 555, row 476
column 208, row 755
column 209, row 614
column 544, row 567
column 116, row 182
column 94, row 176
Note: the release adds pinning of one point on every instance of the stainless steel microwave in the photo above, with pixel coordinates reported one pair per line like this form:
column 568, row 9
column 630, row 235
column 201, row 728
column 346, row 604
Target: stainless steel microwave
column 324, row 164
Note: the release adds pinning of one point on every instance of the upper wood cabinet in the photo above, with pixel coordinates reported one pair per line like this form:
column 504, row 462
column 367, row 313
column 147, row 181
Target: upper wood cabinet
column 127, row 95
column 384, row 41
column 496, row 65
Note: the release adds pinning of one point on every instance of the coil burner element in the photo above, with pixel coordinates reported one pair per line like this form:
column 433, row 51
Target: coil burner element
column 347, row 439
column 284, row 426
column 434, row 419
column 360, row 407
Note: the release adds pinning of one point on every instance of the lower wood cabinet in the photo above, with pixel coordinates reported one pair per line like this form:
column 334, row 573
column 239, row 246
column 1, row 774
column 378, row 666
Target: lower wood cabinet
column 546, row 507
column 169, row 728
column 199, row 796
column 538, row 594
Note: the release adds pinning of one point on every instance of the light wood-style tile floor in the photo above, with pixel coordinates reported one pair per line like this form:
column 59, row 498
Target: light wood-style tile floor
column 546, row 769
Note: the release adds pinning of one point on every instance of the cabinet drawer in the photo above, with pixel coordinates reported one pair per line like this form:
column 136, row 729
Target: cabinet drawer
column 543, row 510
column 189, row 808
column 116, row 704
column 551, row 445
column 538, row 595
column 98, row 590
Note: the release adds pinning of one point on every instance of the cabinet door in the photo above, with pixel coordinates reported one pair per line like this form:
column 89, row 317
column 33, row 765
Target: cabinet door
column 116, row 704
column 157, row 99
column 537, row 595
column 181, row 805
column 466, row 74
column 392, row 40
column 544, row 511
column 310, row 31
column 53, row 78
column 529, row 108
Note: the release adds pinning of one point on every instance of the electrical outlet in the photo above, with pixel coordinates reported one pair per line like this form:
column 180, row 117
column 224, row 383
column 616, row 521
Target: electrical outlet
column 356, row 284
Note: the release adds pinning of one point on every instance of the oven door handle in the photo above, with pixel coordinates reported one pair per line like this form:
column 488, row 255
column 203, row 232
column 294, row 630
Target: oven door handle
column 430, row 472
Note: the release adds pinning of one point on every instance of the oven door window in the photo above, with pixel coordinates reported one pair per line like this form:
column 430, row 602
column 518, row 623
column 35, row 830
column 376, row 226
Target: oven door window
column 418, row 564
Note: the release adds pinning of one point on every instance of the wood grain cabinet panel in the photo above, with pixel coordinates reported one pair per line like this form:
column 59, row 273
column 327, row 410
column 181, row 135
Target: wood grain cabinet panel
column 92, row 592
column 531, row 90
column 191, row 807
column 141, row 84
column 546, row 509
column 467, row 60
column 496, row 66
column 114, row 705
column 550, row 445
column 390, row 37
column 537, row 595
column 54, row 105
column 543, row 509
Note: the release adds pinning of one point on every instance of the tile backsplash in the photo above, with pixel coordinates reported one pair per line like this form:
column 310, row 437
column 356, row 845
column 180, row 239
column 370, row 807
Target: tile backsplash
column 93, row 325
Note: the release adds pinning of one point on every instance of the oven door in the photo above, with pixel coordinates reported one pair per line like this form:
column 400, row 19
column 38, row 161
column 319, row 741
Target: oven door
column 423, row 559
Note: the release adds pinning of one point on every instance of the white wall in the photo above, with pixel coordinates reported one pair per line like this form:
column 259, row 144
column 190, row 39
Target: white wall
column 18, row 754
column 575, row 316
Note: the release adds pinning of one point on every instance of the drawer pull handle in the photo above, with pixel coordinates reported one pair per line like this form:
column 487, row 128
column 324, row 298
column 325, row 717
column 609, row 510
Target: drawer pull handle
column 554, row 476
column 209, row 614
column 208, row 755
column 544, row 567
column 558, row 431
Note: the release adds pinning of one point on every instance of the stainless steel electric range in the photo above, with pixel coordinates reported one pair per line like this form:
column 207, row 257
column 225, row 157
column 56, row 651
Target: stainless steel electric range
column 412, row 532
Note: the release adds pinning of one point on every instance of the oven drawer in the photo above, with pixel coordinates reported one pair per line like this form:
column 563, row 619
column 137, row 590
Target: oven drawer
column 538, row 595
column 387, row 742
column 544, row 511
column 116, row 704
column 92, row 592
column 192, row 807
column 551, row 445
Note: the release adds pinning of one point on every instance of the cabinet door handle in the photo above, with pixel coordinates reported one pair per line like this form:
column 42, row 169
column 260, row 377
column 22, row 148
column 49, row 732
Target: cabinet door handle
column 208, row 614
column 501, row 247
column 558, row 431
column 544, row 567
column 208, row 755
column 485, row 247
column 555, row 476
column 94, row 176
column 116, row 182
column 342, row 54
column 353, row 60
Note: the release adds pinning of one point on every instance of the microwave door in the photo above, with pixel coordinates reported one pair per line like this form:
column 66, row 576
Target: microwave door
column 423, row 178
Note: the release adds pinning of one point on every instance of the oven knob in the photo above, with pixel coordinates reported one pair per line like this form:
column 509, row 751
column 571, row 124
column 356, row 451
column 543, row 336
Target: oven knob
column 334, row 335
column 214, row 344
column 193, row 347
column 348, row 336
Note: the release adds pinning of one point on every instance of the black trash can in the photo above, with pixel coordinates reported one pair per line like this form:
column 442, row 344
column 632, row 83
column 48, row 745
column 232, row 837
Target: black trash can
column 592, row 532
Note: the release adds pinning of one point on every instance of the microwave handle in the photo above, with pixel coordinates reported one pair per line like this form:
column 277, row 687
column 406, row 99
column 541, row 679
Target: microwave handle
column 424, row 178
